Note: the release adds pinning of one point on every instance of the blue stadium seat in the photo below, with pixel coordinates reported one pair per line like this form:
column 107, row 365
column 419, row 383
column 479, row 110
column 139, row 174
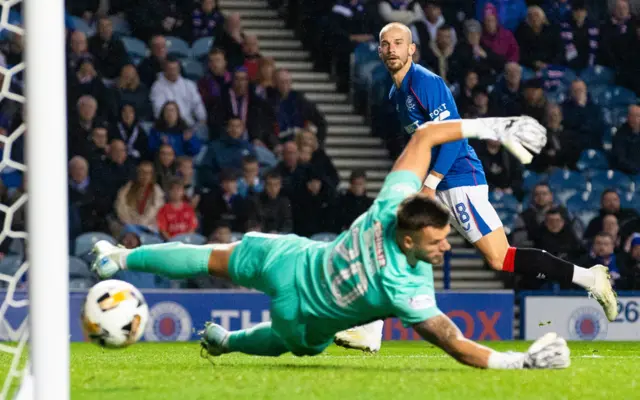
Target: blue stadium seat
column 530, row 178
column 324, row 237
column 585, row 216
column 592, row 159
column 365, row 59
column 9, row 265
column 630, row 200
column 120, row 26
column 502, row 201
column 527, row 73
column 150, row 238
column 200, row 48
column 82, row 26
column 598, row 75
column 566, row 179
column 78, row 268
column 85, row 242
column 601, row 180
column 615, row 96
column 135, row 47
column 189, row 238
column 177, row 47
column 581, row 202
column 236, row 236
column 17, row 247
column 192, row 69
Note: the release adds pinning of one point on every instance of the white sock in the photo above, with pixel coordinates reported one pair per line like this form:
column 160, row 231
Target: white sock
column 583, row 277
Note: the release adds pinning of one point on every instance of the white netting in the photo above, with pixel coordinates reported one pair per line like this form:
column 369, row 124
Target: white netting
column 13, row 267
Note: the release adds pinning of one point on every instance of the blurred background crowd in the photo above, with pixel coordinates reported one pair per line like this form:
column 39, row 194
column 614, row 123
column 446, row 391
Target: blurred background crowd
column 179, row 129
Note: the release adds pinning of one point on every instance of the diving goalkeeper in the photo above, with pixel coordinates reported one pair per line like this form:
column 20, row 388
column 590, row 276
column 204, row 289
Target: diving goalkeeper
column 380, row 267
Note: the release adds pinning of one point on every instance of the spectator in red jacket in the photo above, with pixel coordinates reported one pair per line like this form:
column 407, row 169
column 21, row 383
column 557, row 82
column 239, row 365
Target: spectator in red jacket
column 176, row 217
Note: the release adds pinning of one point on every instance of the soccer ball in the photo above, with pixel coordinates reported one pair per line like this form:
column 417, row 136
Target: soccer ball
column 114, row 314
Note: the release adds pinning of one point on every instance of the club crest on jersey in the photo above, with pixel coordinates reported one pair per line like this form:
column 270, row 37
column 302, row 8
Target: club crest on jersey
column 410, row 103
column 378, row 244
column 441, row 113
column 412, row 128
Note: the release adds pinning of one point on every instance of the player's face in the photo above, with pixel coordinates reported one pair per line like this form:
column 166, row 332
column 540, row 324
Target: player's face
column 431, row 244
column 395, row 49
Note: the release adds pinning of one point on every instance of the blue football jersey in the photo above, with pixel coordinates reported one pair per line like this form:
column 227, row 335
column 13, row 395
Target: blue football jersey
column 422, row 97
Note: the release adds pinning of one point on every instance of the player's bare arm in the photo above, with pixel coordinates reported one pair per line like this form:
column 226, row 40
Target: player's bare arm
column 548, row 352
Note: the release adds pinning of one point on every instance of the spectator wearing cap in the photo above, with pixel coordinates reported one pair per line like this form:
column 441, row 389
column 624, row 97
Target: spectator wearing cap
column 130, row 131
column 273, row 207
column 403, row 11
column 540, row 39
column 580, row 37
column 172, row 129
column 239, row 101
column 128, row 89
column 206, row 20
column 153, row 65
column 624, row 154
column 497, row 38
column 535, row 101
column 78, row 50
column 609, row 204
column 225, row 153
column 563, row 146
column 319, row 197
column 583, row 116
column 502, row 169
column 510, row 13
column 319, row 160
column 231, row 40
column 471, row 54
column 215, row 81
column 86, row 81
column 618, row 34
column 507, row 96
column 294, row 111
column 603, row 252
column 171, row 86
column 109, row 51
column 225, row 204
column 350, row 23
column 438, row 56
column 354, row 201
column 424, row 29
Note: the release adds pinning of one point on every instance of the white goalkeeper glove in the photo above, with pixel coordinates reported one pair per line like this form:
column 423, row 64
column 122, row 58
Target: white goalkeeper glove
column 548, row 352
column 517, row 134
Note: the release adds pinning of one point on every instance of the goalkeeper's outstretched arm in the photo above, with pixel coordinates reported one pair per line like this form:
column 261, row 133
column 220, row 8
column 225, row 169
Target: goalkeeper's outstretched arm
column 548, row 352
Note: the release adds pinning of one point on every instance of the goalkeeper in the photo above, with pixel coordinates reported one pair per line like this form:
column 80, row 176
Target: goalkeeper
column 380, row 267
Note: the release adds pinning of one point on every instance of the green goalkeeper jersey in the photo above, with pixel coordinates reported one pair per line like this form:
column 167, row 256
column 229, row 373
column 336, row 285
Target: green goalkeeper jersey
column 363, row 275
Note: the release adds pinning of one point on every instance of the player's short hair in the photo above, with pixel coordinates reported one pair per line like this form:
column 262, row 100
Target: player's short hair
column 445, row 27
column 607, row 191
column 419, row 211
column 175, row 182
column 249, row 159
column 554, row 211
column 273, row 174
column 606, row 235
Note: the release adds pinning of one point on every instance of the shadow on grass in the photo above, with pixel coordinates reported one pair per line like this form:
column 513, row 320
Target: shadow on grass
column 330, row 367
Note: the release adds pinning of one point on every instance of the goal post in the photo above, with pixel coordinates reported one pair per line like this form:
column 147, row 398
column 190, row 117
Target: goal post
column 47, row 211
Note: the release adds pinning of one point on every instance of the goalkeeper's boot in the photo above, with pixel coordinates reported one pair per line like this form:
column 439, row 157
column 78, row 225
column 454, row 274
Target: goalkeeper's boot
column 603, row 292
column 367, row 338
column 108, row 260
column 213, row 339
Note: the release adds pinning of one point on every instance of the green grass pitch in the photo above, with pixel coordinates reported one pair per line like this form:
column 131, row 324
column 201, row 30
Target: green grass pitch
column 176, row 371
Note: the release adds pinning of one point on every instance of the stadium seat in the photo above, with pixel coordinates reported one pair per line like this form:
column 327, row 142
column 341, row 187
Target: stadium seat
column 192, row 69
column 581, row 202
column 135, row 47
column 9, row 265
column 200, row 48
column 236, row 236
column 615, row 96
column 120, row 26
column 531, row 178
column 17, row 247
column 502, row 201
column 592, row 159
column 601, row 180
column 562, row 179
column 150, row 238
column 78, row 268
column 82, row 26
column 527, row 73
column 189, row 238
column 364, row 59
column 630, row 200
column 585, row 216
column 598, row 75
column 324, row 237
column 177, row 47
column 85, row 242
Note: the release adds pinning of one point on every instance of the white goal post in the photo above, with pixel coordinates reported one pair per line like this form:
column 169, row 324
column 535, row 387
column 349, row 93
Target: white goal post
column 47, row 212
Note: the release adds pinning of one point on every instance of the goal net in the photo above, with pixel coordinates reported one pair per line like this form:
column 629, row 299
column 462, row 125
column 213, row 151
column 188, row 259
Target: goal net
column 34, row 323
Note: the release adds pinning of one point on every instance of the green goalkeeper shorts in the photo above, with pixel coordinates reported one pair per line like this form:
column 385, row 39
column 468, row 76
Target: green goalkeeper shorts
column 269, row 263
